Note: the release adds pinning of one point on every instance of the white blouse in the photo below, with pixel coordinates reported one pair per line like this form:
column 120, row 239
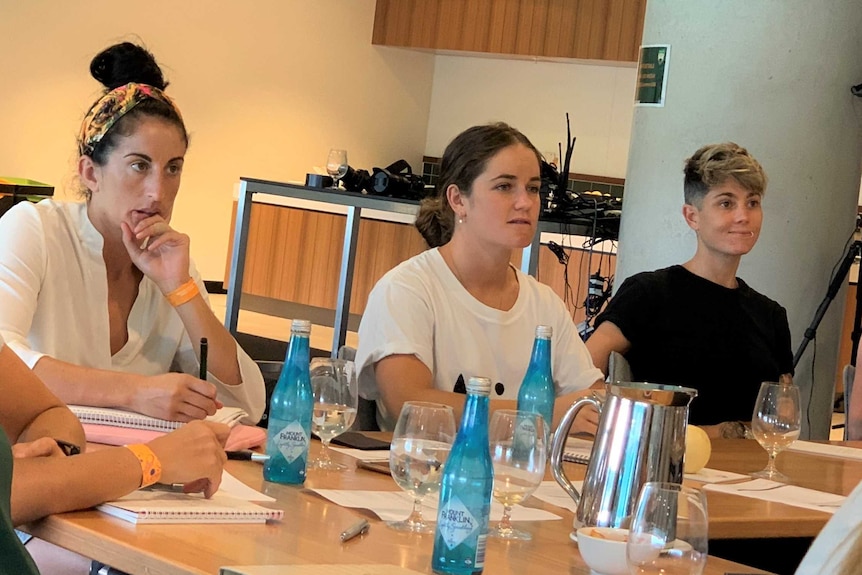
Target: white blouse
column 53, row 301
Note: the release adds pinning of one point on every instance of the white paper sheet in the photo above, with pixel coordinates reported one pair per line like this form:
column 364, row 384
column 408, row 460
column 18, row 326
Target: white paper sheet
column 235, row 488
column 364, row 454
column 551, row 492
column 707, row 475
column 396, row 505
column 782, row 493
column 841, row 451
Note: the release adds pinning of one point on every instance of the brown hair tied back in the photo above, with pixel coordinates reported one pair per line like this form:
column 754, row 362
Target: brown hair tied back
column 463, row 161
column 134, row 87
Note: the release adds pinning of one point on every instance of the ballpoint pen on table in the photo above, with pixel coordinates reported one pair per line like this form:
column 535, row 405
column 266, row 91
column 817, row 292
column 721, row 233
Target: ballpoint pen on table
column 246, row 455
column 204, row 346
column 170, row 487
column 357, row 528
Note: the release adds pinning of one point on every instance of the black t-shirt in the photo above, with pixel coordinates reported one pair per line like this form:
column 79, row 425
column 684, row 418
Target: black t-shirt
column 686, row 330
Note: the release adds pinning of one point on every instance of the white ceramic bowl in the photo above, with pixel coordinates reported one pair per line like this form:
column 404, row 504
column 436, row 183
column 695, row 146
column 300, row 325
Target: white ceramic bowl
column 604, row 549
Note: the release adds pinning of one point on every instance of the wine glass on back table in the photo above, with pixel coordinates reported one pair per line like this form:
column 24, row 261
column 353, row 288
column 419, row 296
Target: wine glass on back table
column 420, row 446
column 336, row 165
column 333, row 384
column 775, row 423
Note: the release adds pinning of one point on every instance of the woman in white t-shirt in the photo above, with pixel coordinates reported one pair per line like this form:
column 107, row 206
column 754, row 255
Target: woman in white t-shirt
column 461, row 309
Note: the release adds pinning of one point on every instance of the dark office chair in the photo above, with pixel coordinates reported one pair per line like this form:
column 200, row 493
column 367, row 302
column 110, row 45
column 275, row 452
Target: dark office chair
column 618, row 368
column 366, row 411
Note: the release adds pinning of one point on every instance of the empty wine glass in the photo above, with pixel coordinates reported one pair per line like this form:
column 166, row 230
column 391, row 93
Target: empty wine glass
column 775, row 423
column 336, row 165
column 668, row 532
column 420, row 446
column 333, row 384
column 517, row 441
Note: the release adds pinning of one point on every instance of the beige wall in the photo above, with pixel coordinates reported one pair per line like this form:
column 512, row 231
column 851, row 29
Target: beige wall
column 534, row 97
column 266, row 88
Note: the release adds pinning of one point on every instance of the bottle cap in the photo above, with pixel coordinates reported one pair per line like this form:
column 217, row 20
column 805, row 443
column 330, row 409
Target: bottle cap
column 301, row 326
column 479, row 386
column 544, row 331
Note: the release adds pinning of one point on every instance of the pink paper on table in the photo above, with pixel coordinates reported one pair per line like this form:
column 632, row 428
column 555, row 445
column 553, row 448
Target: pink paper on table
column 241, row 436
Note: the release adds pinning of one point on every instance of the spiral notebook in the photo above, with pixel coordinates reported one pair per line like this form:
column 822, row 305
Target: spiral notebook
column 117, row 417
column 577, row 450
column 161, row 507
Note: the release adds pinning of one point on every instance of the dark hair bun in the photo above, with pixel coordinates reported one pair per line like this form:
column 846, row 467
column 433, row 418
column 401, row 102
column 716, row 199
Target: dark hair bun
column 126, row 62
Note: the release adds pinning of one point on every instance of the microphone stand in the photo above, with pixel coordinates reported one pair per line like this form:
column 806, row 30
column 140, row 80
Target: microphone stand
column 853, row 251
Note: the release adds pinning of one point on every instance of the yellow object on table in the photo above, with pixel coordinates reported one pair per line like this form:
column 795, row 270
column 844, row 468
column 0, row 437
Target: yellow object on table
column 698, row 448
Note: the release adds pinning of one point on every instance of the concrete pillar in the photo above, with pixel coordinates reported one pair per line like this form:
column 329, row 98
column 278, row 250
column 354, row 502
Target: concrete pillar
column 773, row 76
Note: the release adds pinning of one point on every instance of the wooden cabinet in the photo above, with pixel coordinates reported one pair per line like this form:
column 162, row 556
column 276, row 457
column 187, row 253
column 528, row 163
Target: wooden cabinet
column 294, row 255
column 585, row 29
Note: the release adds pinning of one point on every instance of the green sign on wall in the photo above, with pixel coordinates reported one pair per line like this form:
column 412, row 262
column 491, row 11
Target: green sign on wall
column 652, row 75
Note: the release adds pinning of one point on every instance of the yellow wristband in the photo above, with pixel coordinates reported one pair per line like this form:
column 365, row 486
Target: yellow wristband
column 183, row 294
column 151, row 467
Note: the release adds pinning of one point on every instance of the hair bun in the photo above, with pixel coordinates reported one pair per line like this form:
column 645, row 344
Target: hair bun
column 122, row 63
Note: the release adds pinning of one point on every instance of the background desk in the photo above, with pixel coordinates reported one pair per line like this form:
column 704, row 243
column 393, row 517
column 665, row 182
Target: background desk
column 323, row 258
column 309, row 533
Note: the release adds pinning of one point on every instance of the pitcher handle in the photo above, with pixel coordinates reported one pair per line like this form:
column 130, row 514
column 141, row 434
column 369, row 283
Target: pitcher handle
column 559, row 444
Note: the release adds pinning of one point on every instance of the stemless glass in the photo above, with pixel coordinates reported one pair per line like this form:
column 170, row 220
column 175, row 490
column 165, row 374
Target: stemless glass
column 775, row 423
column 421, row 443
column 668, row 533
column 336, row 165
column 333, row 384
column 517, row 441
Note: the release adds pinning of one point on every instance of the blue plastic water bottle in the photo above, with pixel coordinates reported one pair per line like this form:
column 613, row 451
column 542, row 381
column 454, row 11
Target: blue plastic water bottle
column 537, row 391
column 465, row 490
column 289, row 427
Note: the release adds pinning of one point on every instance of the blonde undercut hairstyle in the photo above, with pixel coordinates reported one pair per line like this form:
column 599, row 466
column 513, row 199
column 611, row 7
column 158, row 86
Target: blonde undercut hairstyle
column 715, row 164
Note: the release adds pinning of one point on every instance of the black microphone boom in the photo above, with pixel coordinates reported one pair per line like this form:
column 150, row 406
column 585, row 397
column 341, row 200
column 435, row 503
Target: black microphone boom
column 835, row 285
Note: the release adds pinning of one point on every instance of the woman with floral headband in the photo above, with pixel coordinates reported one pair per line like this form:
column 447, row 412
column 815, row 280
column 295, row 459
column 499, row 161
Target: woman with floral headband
column 100, row 298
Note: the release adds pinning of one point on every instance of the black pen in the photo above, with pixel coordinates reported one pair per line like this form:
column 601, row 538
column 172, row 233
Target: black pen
column 357, row 528
column 204, row 358
column 247, row 455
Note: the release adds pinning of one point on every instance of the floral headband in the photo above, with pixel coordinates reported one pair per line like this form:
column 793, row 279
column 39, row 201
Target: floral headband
column 111, row 107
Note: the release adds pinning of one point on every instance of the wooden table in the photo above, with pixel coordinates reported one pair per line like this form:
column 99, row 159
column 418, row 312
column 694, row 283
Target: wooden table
column 309, row 533
column 735, row 517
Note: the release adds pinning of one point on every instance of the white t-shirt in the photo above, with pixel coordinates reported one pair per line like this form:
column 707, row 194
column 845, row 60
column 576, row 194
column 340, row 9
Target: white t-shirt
column 53, row 301
column 420, row 308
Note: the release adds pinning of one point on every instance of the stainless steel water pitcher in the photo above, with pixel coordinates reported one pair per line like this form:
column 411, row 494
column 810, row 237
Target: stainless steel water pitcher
column 640, row 438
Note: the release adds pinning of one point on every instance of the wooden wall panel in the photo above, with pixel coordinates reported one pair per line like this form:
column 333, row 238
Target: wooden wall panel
column 587, row 29
column 295, row 255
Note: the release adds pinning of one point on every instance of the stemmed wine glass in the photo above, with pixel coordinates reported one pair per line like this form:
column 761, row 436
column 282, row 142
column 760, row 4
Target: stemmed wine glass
column 333, row 384
column 517, row 441
column 420, row 446
column 668, row 532
column 336, row 165
column 775, row 423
